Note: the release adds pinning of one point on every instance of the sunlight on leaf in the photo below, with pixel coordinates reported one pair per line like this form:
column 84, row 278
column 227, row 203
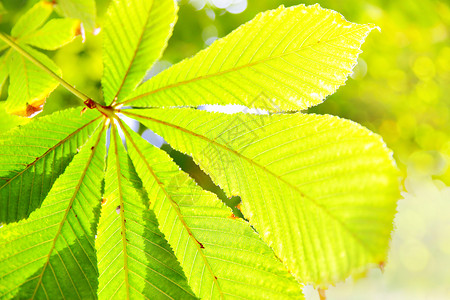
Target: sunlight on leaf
column 90, row 209
column 51, row 254
column 320, row 190
column 221, row 257
column 297, row 56
column 135, row 35
column 133, row 255
column 83, row 10
column 33, row 156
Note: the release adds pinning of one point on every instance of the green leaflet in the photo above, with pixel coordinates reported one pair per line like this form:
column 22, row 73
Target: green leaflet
column 134, row 259
column 32, row 19
column 8, row 121
column 29, row 85
column 2, row 9
column 320, row 190
column 83, row 10
column 294, row 57
column 33, row 156
column 135, row 34
column 51, row 254
column 221, row 257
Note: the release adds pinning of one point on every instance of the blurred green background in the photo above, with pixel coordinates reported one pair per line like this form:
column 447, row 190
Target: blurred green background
column 399, row 90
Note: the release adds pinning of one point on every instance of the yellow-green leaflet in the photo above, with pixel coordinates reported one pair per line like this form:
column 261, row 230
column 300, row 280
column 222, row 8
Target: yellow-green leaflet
column 294, row 57
column 321, row 191
column 146, row 26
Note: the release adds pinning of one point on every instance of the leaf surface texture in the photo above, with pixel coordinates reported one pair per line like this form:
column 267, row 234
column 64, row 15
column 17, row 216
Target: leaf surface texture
column 320, row 190
column 221, row 257
column 134, row 259
column 51, row 254
column 135, row 35
column 284, row 59
column 33, row 156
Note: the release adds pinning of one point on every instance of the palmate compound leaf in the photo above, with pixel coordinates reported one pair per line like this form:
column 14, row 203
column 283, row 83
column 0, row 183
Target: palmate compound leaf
column 321, row 191
column 222, row 257
column 135, row 35
column 51, row 255
column 134, row 259
column 30, row 85
column 33, row 156
column 296, row 55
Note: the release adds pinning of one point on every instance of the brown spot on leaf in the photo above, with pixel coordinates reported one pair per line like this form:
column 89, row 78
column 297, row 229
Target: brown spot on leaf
column 201, row 245
column 51, row 2
column 31, row 109
column 381, row 265
column 118, row 209
column 103, row 201
column 322, row 294
column 233, row 217
column 78, row 29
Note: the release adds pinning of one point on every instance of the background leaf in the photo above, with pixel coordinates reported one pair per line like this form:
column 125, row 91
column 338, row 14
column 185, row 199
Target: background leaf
column 296, row 56
column 2, row 9
column 321, row 191
column 32, row 19
column 54, row 34
column 135, row 35
column 83, row 10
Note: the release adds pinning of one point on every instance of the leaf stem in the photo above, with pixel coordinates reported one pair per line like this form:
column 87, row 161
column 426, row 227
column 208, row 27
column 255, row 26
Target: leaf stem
column 64, row 83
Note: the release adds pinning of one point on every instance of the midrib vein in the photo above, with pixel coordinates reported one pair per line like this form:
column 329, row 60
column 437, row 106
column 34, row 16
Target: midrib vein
column 207, row 76
column 176, row 208
column 122, row 213
column 69, row 207
column 313, row 201
column 135, row 51
column 48, row 151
